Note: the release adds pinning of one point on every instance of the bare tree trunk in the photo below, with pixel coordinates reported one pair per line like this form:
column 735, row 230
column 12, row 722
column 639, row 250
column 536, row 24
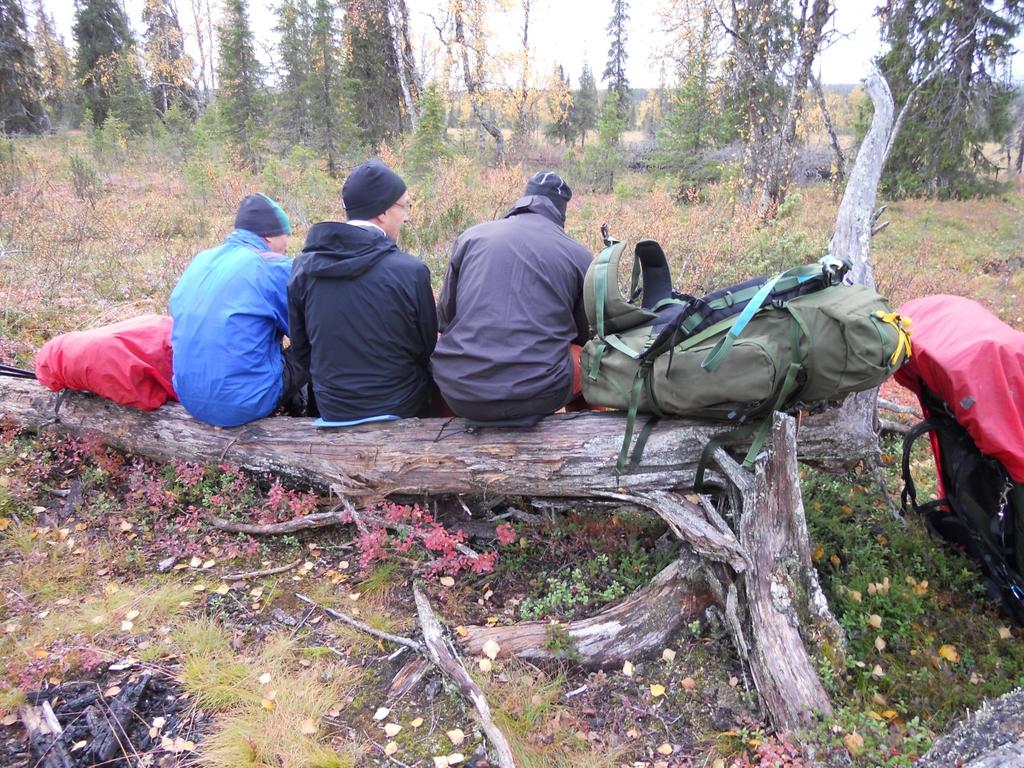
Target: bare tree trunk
column 837, row 151
column 855, row 220
column 1019, row 165
column 399, row 19
column 197, row 19
column 474, row 88
column 779, row 170
column 521, row 125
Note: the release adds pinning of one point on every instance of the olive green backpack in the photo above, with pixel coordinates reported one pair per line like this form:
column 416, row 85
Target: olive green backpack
column 735, row 355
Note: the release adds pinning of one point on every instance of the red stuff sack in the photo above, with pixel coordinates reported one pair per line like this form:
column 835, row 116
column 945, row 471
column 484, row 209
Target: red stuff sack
column 127, row 362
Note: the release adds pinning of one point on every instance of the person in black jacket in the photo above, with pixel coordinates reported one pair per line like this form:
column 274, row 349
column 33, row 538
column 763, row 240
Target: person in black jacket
column 361, row 312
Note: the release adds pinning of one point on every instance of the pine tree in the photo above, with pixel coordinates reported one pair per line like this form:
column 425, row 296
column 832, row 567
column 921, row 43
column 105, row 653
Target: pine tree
column 372, row 82
column 240, row 101
column 102, row 35
column 947, row 58
column 560, row 104
column 615, row 70
column 171, row 70
column 56, row 69
column 585, row 105
column 21, row 108
column 129, row 103
column 334, row 128
column 429, row 142
column 294, row 103
column 605, row 158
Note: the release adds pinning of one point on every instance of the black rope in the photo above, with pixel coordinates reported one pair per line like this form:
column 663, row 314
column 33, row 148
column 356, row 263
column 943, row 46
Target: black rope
column 16, row 373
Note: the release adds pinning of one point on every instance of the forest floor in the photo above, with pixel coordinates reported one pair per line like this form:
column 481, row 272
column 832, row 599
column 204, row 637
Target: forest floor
column 129, row 614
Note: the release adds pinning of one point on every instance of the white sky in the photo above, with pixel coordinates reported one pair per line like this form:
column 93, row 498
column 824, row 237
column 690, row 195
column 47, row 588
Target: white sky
column 567, row 31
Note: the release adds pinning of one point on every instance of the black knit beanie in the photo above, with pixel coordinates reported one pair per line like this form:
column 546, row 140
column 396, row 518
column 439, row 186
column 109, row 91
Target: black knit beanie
column 552, row 186
column 370, row 190
column 258, row 213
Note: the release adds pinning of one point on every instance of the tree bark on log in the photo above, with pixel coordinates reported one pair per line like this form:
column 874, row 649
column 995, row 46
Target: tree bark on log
column 641, row 623
column 786, row 607
column 571, row 455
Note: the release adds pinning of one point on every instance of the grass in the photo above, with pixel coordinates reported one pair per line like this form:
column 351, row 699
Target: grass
column 270, row 707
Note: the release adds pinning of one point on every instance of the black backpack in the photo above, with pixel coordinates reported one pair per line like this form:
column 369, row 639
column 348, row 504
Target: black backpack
column 983, row 511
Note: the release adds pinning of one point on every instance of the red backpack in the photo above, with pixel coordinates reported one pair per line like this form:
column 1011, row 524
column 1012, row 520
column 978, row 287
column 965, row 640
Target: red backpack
column 127, row 362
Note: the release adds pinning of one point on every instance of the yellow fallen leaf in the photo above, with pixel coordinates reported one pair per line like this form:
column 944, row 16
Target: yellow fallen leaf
column 875, row 621
column 818, row 554
column 456, row 736
column 112, row 691
column 718, row 763
column 665, row 749
column 125, row 526
column 657, row 690
column 308, row 727
column 890, row 714
column 159, row 722
column 78, row 745
column 127, row 626
column 627, row 668
column 856, row 596
column 491, row 649
column 854, row 743
column 878, row 671
column 485, row 665
column 223, row 589
column 949, row 653
column 879, row 644
column 1005, row 633
column 195, row 562
column 461, row 631
column 131, row 615
column 209, row 564
column 455, row 758
column 354, row 596
column 264, row 678
column 834, row 559
column 390, row 748
column 688, row 683
column 199, row 588
column 381, row 713
column 668, row 655
column 5, row 523
column 441, row 761
column 416, row 723
column 267, row 703
column 11, row 719
column 447, row 581
column 392, row 730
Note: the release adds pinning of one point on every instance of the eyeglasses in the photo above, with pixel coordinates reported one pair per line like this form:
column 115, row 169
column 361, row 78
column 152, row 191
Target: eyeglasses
column 406, row 206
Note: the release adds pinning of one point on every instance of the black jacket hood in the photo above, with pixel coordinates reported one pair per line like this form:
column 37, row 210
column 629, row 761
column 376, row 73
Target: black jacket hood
column 344, row 251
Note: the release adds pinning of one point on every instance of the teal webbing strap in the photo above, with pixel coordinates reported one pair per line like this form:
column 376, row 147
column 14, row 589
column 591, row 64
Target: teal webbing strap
column 601, row 288
column 713, row 445
column 762, row 432
column 614, row 341
column 666, row 302
column 634, row 405
column 721, row 349
column 641, row 440
column 595, row 361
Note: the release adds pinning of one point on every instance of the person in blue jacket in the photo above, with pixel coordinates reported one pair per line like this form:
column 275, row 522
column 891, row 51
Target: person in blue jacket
column 230, row 312
column 361, row 310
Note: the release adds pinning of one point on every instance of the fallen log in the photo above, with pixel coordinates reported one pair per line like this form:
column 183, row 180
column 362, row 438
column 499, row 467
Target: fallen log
column 745, row 569
column 571, row 455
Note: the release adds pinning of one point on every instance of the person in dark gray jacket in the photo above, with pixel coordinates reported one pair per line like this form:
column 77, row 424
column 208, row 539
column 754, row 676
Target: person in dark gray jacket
column 511, row 311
